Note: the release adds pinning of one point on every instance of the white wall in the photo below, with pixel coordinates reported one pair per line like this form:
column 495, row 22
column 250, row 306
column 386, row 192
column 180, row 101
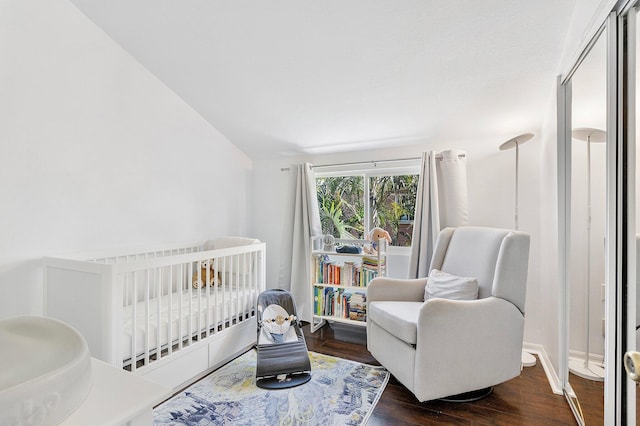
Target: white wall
column 491, row 174
column 95, row 152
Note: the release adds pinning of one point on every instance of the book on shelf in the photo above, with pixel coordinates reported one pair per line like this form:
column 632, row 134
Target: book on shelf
column 357, row 315
column 358, row 306
column 339, row 303
column 348, row 273
column 372, row 262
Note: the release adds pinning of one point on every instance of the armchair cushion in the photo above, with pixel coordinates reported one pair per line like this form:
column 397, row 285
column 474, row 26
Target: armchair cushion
column 400, row 319
column 448, row 286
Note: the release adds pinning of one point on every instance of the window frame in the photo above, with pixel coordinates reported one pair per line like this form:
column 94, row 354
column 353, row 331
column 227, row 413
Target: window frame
column 368, row 170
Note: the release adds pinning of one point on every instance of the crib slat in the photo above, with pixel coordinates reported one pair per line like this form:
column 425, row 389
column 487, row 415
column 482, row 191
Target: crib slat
column 245, row 291
column 246, row 305
column 234, row 296
column 146, row 320
column 134, row 316
column 170, row 319
column 223, row 303
column 208, row 302
column 126, row 299
column 242, row 301
column 228, row 315
column 189, row 275
column 228, row 305
column 216, row 295
column 250, row 286
column 180, row 287
column 199, row 320
column 159, row 309
column 256, row 284
column 248, row 300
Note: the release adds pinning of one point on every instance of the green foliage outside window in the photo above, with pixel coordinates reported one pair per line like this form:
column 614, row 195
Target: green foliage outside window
column 393, row 204
column 341, row 203
column 391, row 199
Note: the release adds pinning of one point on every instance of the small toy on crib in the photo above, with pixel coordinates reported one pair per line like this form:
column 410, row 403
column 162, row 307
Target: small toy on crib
column 199, row 282
column 374, row 236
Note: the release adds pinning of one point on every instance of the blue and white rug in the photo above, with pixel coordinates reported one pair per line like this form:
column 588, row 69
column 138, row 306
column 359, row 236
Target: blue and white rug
column 340, row 392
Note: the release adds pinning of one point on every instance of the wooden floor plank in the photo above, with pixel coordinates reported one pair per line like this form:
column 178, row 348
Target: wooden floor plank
column 525, row 400
column 591, row 397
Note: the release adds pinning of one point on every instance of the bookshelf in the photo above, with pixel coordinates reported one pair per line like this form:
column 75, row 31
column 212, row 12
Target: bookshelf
column 339, row 281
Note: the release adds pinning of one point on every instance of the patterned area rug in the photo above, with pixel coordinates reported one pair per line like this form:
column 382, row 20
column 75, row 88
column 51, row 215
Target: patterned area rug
column 340, row 392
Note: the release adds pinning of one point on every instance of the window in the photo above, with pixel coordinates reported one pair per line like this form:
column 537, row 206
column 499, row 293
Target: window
column 341, row 204
column 352, row 203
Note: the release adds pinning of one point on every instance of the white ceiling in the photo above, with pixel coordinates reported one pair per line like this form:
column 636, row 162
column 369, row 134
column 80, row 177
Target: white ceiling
column 292, row 77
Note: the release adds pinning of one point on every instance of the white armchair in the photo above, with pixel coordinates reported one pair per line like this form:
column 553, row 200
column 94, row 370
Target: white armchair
column 441, row 347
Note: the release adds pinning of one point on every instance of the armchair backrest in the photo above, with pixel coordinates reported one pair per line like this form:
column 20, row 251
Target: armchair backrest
column 497, row 258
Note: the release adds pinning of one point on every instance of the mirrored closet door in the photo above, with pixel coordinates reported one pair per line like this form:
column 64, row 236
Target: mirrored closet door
column 586, row 148
column 599, row 219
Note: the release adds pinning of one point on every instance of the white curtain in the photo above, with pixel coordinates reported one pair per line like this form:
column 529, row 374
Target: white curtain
column 303, row 223
column 441, row 201
column 451, row 167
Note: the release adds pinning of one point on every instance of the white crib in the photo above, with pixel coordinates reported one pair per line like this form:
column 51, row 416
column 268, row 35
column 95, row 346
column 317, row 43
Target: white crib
column 138, row 309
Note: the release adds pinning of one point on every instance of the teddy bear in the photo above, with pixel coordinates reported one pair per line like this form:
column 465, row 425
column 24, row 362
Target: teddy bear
column 205, row 265
column 374, row 236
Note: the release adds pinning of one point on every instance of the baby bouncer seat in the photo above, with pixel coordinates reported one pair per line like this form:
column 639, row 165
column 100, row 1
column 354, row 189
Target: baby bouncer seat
column 283, row 360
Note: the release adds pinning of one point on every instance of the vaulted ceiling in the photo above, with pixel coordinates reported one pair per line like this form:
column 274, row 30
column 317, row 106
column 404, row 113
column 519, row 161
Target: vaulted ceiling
column 288, row 77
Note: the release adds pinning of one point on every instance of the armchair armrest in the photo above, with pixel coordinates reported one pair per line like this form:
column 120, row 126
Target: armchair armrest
column 476, row 342
column 382, row 288
column 491, row 314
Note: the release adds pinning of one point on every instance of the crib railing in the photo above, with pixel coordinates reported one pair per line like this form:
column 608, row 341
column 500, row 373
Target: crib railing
column 162, row 310
column 139, row 306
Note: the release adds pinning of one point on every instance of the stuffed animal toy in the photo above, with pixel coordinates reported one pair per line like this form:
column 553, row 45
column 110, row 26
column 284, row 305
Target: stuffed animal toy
column 374, row 236
column 205, row 265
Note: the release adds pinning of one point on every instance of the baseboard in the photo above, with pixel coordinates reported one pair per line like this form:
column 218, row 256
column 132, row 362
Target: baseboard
column 581, row 355
column 549, row 371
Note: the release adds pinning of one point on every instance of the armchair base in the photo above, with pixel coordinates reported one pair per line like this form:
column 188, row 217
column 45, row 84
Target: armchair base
column 469, row 396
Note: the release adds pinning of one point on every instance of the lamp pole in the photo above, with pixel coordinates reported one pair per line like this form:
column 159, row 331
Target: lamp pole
column 588, row 369
column 528, row 360
column 515, row 143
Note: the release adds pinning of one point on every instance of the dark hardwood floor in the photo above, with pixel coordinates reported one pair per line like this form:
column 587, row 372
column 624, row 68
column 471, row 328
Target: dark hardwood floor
column 590, row 397
column 525, row 400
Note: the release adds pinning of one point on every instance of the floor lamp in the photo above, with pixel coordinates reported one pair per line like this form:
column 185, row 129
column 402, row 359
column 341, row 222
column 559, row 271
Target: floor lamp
column 585, row 368
column 528, row 360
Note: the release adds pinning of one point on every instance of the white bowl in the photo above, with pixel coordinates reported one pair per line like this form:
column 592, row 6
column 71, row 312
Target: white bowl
column 45, row 371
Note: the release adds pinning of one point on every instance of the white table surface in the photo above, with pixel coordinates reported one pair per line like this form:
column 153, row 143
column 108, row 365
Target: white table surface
column 116, row 397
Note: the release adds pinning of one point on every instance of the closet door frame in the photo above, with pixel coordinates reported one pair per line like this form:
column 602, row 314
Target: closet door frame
column 615, row 397
column 628, row 23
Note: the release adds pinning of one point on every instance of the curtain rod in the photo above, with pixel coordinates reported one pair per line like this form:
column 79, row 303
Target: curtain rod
column 438, row 157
